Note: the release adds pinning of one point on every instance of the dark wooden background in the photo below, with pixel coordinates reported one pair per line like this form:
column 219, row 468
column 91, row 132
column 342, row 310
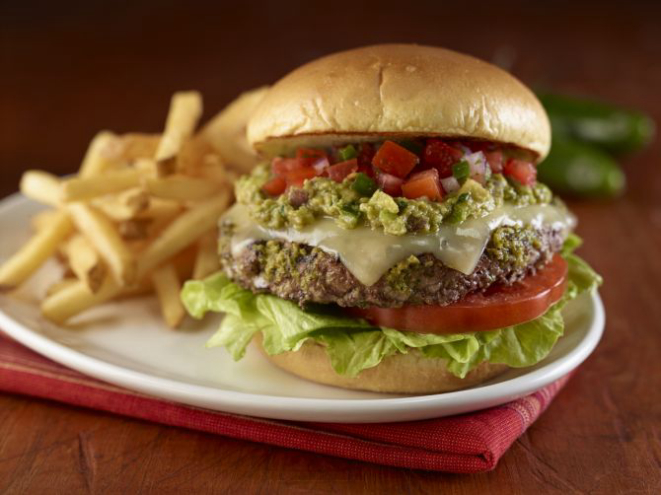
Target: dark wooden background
column 67, row 72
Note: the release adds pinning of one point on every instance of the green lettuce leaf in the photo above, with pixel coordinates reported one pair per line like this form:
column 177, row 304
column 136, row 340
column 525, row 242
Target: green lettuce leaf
column 354, row 345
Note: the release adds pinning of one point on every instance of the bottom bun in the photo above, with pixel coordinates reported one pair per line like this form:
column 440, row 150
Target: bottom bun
column 410, row 373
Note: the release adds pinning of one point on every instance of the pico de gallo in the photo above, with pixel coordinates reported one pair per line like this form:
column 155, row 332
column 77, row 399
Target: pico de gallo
column 406, row 186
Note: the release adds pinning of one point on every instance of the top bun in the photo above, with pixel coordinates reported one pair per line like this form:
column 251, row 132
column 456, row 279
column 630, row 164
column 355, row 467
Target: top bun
column 399, row 91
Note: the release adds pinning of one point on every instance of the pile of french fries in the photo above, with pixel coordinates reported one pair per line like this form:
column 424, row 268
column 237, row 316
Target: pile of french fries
column 139, row 216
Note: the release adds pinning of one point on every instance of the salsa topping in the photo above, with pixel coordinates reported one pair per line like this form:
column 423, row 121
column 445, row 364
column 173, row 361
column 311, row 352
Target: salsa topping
column 412, row 186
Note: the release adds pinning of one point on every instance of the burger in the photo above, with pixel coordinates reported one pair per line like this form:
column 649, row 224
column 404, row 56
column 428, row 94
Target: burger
column 395, row 238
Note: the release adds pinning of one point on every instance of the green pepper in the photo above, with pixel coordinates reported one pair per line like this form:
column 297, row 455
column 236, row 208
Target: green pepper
column 581, row 170
column 615, row 129
column 348, row 152
column 363, row 185
column 461, row 171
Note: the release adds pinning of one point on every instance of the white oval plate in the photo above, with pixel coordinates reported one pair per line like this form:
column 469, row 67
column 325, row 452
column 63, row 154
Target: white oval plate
column 126, row 344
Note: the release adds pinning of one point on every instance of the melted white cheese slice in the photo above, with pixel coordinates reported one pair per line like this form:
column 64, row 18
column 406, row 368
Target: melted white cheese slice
column 368, row 254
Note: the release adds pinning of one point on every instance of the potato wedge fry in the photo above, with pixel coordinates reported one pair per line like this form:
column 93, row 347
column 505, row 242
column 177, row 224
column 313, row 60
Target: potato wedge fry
column 101, row 233
column 59, row 285
column 36, row 251
column 102, row 154
column 41, row 187
column 167, row 286
column 76, row 298
column 206, row 261
column 43, row 219
column 185, row 111
column 181, row 188
column 183, row 230
column 82, row 189
column 85, row 262
column 226, row 132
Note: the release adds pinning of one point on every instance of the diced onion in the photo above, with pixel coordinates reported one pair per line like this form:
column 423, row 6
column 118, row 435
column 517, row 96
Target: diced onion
column 450, row 184
column 478, row 165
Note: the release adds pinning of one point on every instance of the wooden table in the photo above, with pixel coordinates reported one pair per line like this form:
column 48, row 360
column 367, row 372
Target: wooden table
column 65, row 75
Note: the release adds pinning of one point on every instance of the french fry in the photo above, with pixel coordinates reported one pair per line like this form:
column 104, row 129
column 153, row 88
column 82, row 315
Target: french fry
column 181, row 188
column 185, row 111
column 152, row 168
column 101, row 233
column 102, row 154
column 161, row 209
column 41, row 187
column 167, row 286
column 226, row 132
column 43, row 219
column 76, row 298
column 206, row 261
column 82, row 189
column 183, row 230
column 35, row 252
column 213, row 168
column 125, row 205
column 134, row 229
column 192, row 154
column 85, row 262
column 135, row 146
column 60, row 284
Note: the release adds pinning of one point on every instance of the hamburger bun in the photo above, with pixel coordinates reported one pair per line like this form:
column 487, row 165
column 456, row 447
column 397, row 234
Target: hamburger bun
column 409, row 373
column 397, row 91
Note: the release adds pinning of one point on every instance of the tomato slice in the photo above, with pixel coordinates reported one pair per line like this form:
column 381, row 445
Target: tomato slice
column 498, row 307
column 395, row 159
column 423, row 184
column 275, row 187
column 522, row 171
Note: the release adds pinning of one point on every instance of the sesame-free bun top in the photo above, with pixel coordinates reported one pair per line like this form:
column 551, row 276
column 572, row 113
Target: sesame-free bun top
column 397, row 91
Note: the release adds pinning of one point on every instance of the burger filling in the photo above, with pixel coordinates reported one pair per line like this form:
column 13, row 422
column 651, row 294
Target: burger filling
column 448, row 249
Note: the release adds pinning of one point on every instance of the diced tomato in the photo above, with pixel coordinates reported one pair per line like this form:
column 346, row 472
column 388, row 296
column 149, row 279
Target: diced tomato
column 498, row 307
column 520, row 170
column 441, row 156
column 395, row 159
column 340, row 171
column 389, row 183
column 308, row 156
column 282, row 166
column 296, row 178
column 275, row 187
column 423, row 184
column 365, row 155
column 482, row 146
column 495, row 161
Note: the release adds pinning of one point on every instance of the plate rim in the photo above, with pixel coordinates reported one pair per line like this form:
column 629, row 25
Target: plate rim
column 306, row 408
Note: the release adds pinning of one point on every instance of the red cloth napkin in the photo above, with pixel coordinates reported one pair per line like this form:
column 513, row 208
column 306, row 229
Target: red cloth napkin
column 466, row 443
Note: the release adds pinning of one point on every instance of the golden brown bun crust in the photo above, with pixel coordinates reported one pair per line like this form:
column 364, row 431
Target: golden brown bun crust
column 399, row 90
column 399, row 374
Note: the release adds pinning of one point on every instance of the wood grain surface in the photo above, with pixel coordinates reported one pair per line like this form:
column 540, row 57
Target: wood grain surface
column 67, row 73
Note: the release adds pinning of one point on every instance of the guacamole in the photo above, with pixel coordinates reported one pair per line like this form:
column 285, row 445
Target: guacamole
column 350, row 207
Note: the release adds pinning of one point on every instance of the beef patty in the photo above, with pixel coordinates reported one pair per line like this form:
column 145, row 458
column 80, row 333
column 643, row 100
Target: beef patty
column 305, row 274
